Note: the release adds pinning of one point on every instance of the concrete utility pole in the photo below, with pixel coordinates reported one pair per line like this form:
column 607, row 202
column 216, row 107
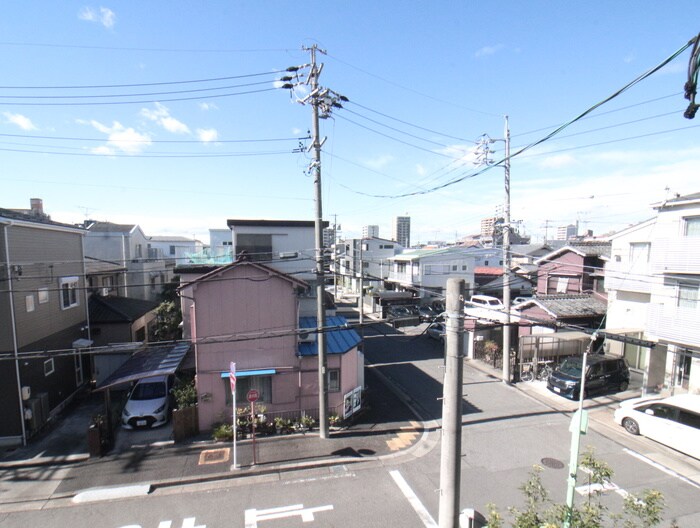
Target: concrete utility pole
column 450, row 457
column 506, row 260
column 320, row 279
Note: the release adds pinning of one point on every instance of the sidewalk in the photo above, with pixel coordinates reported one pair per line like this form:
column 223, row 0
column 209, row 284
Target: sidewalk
column 57, row 464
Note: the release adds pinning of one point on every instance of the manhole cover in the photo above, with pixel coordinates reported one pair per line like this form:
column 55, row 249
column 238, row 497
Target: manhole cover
column 214, row 456
column 552, row 463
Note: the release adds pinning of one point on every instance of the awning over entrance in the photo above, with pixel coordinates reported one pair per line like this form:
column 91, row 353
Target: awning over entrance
column 153, row 361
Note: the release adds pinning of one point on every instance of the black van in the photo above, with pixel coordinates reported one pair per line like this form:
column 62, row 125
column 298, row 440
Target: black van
column 603, row 374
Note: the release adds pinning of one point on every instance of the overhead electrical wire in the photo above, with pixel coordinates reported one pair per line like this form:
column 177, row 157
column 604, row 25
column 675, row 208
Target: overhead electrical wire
column 547, row 137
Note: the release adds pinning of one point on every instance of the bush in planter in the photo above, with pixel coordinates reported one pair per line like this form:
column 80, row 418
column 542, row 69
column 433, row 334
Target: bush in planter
column 185, row 394
column 307, row 422
column 223, row 433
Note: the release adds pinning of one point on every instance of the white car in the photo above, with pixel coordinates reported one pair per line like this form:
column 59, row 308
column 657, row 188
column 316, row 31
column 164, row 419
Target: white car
column 673, row 421
column 148, row 403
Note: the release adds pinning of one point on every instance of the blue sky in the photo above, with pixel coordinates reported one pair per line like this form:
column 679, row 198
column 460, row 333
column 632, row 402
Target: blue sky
column 424, row 81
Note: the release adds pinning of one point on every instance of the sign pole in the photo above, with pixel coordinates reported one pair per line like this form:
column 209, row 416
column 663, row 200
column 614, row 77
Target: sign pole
column 232, row 379
column 252, row 418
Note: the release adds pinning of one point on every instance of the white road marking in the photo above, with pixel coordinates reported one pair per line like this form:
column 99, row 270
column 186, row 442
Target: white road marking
column 660, row 467
column 252, row 516
column 112, row 493
column 413, row 500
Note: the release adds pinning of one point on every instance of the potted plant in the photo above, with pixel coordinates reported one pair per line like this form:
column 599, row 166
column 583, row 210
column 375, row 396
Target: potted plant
column 223, row 433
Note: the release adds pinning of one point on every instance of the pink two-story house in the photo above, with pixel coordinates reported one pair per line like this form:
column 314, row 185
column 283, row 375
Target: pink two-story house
column 254, row 315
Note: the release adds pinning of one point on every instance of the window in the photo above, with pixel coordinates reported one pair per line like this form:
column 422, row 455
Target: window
column 29, row 303
column 334, row 380
column 257, row 247
column 691, row 226
column 69, row 292
column 263, row 384
column 48, row 367
column 639, row 252
column 486, row 263
column 689, row 418
column 562, row 284
column 464, row 267
column 687, row 296
column 227, row 243
column 172, row 250
column 43, row 295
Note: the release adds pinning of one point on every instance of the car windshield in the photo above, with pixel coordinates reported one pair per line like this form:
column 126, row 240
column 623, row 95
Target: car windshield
column 494, row 303
column 148, row 391
column 571, row 367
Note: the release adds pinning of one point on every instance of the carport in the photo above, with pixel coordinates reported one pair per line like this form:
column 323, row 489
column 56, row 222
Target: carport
column 161, row 360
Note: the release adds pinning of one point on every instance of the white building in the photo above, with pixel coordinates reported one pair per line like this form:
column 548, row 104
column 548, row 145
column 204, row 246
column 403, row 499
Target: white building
column 566, row 232
column 402, row 231
column 286, row 245
column 653, row 283
column 369, row 255
column 370, row 231
column 425, row 271
column 175, row 247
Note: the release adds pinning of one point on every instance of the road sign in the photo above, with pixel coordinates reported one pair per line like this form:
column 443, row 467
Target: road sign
column 253, row 395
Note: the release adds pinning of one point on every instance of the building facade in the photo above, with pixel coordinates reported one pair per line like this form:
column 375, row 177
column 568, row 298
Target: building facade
column 402, row 231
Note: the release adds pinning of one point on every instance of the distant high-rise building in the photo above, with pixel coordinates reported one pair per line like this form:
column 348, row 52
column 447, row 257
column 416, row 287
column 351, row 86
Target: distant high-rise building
column 328, row 237
column 566, row 232
column 487, row 226
column 370, row 231
column 402, row 230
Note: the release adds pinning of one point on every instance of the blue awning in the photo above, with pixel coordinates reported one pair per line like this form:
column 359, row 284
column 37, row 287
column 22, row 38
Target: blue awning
column 246, row 373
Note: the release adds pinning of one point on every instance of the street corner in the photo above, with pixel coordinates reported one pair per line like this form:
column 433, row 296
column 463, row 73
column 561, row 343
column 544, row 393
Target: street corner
column 406, row 437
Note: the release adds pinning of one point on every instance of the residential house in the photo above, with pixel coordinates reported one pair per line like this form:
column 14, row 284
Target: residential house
column 369, row 254
column 570, row 289
column 175, row 249
column 105, row 277
column 147, row 269
column 43, row 320
column 118, row 320
column 263, row 320
column 286, row 245
column 425, row 271
column 654, row 294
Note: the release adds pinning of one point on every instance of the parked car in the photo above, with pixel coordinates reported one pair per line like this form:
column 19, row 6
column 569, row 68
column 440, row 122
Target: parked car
column 519, row 300
column 673, row 421
column 603, row 374
column 486, row 301
column 437, row 331
column 148, row 403
column 426, row 313
column 398, row 311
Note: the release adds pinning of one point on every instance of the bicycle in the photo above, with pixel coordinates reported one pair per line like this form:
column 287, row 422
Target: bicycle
column 527, row 372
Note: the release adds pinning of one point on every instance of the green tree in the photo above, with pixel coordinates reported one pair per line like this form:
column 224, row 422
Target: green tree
column 638, row 511
column 168, row 319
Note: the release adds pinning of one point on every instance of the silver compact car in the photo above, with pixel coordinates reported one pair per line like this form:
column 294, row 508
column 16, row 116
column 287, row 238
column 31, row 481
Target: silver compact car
column 148, row 403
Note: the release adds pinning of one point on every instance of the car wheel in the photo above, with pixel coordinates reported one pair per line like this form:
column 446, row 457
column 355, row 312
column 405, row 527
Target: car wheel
column 624, row 385
column 631, row 426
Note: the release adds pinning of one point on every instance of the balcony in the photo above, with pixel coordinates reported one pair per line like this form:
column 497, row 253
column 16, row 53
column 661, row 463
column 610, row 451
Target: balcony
column 678, row 255
column 675, row 324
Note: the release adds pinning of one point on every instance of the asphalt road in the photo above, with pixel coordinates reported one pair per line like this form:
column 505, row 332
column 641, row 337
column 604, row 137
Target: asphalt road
column 505, row 433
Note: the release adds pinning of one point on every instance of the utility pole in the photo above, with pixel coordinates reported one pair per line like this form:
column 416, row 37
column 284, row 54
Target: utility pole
column 320, row 287
column 450, row 456
column 482, row 157
column 506, row 259
column 322, row 101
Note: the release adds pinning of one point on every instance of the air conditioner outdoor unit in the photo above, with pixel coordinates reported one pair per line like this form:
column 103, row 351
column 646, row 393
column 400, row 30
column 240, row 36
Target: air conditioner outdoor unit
column 288, row 254
column 104, row 292
column 307, row 337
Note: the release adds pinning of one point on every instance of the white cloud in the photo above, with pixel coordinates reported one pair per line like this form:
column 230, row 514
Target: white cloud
column 161, row 116
column 104, row 16
column 558, row 161
column 207, row 135
column 420, row 170
column 488, row 50
column 119, row 139
column 379, row 162
column 21, row 121
column 207, row 106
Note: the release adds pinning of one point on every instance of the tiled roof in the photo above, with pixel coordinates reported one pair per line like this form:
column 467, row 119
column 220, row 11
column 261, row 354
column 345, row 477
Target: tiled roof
column 488, row 270
column 563, row 306
column 118, row 309
column 594, row 248
column 29, row 217
column 337, row 341
column 109, row 227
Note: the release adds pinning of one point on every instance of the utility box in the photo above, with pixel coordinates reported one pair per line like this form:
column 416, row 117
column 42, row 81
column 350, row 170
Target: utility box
column 470, row 518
